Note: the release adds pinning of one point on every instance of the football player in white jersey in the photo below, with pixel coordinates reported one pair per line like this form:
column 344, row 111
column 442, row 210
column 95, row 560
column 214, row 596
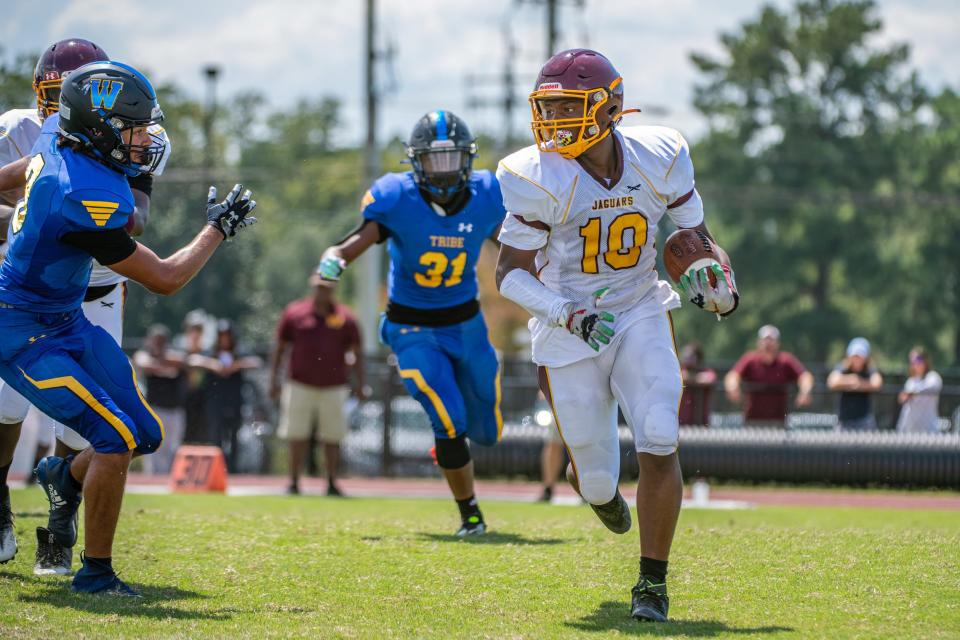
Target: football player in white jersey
column 578, row 252
column 103, row 305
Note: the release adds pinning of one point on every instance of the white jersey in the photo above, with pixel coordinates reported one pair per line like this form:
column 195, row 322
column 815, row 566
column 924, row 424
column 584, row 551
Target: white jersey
column 19, row 129
column 592, row 235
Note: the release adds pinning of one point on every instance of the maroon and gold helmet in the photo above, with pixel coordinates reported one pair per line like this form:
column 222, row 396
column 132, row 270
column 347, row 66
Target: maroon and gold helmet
column 57, row 61
column 586, row 76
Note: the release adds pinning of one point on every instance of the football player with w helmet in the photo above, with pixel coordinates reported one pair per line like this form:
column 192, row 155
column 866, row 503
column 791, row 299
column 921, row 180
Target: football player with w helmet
column 20, row 129
column 583, row 207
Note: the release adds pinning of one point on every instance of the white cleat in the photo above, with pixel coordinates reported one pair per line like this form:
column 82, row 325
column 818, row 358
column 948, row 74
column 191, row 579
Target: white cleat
column 8, row 537
column 52, row 558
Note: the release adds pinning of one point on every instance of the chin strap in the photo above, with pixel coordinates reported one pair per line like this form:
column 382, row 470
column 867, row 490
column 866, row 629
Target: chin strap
column 616, row 118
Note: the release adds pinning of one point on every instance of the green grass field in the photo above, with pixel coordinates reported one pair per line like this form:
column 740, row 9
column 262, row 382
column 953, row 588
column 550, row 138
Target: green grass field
column 269, row 567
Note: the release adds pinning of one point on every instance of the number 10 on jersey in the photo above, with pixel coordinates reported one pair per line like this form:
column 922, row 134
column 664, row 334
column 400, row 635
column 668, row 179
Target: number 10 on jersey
column 618, row 255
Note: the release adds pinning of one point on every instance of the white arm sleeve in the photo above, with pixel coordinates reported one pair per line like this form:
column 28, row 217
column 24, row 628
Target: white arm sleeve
column 521, row 287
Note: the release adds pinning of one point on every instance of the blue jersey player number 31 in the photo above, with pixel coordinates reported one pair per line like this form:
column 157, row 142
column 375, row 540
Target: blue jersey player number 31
column 435, row 220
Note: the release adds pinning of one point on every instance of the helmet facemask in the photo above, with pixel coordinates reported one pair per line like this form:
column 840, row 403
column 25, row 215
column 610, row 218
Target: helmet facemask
column 143, row 158
column 48, row 96
column 112, row 142
column 570, row 137
column 444, row 168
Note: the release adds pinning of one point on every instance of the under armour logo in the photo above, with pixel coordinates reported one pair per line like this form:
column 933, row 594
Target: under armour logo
column 108, row 305
column 465, row 226
column 635, row 187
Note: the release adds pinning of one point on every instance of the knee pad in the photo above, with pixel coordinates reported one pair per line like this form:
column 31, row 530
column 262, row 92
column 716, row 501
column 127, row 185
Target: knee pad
column 661, row 426
column 70, row 438
column 452, row 453
column 597, row 486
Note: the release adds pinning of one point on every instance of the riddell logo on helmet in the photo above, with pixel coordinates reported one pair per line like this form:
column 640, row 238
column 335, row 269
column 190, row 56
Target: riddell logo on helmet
column 550, row 86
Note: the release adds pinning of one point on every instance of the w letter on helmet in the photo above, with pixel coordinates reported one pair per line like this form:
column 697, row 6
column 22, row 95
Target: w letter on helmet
column 103, row 93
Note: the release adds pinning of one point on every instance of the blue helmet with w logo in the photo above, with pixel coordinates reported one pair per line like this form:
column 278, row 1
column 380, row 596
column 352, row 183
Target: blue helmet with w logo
column 101, row 106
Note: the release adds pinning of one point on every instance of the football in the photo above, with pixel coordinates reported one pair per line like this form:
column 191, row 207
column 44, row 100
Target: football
column 687, row 249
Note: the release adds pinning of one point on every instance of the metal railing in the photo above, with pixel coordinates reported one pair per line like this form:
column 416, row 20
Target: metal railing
column 390, row 436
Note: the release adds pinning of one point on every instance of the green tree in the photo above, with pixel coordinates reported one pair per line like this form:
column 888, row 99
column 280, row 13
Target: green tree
column 808, row 116
column 16, row 82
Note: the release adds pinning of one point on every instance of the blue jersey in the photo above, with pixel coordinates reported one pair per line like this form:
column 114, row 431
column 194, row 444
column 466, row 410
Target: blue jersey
column 66, row 191
column 433, row 258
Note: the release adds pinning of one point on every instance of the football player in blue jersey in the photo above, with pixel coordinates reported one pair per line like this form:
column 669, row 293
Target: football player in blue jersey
column 435, row 219
column 104, row 300
column 76, row 208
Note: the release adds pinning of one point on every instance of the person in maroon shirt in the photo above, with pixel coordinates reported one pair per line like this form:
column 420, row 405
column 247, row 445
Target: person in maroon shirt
column 698, row 383
column 323, row 341
column 766, row 373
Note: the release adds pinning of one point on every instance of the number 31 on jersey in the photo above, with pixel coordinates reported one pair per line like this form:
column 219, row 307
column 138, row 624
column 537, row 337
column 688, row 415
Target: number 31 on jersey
column 437, row 264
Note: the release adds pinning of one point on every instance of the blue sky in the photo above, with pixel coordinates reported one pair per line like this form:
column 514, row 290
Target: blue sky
column 288, row 49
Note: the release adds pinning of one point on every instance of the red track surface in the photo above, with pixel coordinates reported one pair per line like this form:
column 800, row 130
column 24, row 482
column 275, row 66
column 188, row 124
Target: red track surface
column 529, row 491
column 499, row 490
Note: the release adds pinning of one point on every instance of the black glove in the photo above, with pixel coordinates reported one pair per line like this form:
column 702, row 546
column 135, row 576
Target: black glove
column 229, row 216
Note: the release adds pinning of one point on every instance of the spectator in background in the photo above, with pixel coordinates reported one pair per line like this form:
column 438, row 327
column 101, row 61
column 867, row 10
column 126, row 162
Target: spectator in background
column 323, row 341
column 194, row 403
column 920, row 396
column 163, row 371
column 698, row 384
column 224, row 390
column 767, row 374
column 857, row 380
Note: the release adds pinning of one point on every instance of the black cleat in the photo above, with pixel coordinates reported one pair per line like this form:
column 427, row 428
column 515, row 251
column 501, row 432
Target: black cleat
column 649, row 602
column 89, row 580
column 8, row 536
column 547, row 495
column 52, row 557
column 54, row 476
column 472, row 526
column 615, row 515
column 333, row 490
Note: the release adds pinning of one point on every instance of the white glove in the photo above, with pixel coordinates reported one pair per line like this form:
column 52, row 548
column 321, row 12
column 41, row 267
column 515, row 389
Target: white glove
column 331, row 266
column 586, row 321
column 721, row 299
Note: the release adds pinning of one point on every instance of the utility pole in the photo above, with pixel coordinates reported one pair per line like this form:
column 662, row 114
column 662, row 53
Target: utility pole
column 370, row 265
column 553, row 19
column 212, row 73
column 551, row 28
column 507, row 101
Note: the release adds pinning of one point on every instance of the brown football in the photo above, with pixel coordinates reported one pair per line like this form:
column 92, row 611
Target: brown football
column 686, row 249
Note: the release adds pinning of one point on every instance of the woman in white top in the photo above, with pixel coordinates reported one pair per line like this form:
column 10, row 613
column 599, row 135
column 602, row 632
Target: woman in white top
column 920, row 396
